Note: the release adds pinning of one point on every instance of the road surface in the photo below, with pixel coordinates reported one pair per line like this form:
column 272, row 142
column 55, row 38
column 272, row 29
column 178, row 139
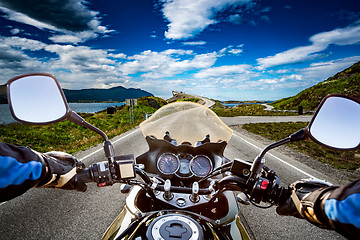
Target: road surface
column 58, row 214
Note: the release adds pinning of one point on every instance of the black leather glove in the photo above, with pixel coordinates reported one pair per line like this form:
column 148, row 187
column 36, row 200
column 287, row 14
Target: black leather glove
column 61, row 171
column 306, row 201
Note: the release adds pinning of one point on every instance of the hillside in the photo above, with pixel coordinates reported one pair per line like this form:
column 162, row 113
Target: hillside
column 118, row 94
column 345, row 82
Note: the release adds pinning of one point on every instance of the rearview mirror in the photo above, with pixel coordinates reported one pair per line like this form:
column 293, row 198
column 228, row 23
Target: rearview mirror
column 336, row 122
column 36, row 99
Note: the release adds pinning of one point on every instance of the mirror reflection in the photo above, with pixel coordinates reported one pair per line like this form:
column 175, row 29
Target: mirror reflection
column 36, row 99
column 337, row 123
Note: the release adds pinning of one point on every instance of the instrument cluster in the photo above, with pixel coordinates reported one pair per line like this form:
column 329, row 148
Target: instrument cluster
column 184, row 165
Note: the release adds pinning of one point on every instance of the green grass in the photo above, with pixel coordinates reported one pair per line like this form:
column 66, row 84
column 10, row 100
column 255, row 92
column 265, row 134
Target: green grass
column 195, row 100
column 69, row 137
column 246, row 110
column 349, row 160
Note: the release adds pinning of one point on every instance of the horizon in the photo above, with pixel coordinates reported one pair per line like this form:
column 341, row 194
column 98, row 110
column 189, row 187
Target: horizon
column 221, row 49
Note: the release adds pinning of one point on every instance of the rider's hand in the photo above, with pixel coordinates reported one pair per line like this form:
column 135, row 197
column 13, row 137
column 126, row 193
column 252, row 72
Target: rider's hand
column 61, row 172
column 305, row 201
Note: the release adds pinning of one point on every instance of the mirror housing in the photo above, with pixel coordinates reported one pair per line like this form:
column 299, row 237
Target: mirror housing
column 336, row 123
column 37, row 98
column 32, row 104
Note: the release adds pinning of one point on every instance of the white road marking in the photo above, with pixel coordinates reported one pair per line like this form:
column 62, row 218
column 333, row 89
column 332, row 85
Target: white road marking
column 277, row 158
column 101, row 149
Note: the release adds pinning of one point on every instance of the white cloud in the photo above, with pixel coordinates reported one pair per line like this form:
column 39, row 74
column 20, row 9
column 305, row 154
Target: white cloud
column 23, row 43
column 198, row 43
column 167, row 63
column 223, row 71
column 15, row 31
column 320, row 71
column 66, row 39
column 340, row 36
column 320, row 42
column 231, row 50
column 188, row 17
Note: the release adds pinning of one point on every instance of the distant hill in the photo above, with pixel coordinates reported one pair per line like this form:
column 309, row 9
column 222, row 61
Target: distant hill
column 345, row 82
column 112, row 94
column 118, row 94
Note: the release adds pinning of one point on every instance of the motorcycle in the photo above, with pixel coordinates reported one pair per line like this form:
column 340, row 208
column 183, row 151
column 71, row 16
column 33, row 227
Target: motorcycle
column 183, row 187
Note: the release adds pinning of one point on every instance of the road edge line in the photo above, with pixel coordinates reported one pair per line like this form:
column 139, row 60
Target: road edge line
column 101, row 149
column 277, row 158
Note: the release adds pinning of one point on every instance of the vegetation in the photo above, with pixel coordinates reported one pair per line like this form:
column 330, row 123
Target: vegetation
column 70, row 137
column 246, row 110
column 195, row 100
column 154, row 102
column 346, row 82
column 349, row 160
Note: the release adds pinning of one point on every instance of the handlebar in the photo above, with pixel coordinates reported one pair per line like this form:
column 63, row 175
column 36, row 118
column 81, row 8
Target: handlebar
column 264, row 189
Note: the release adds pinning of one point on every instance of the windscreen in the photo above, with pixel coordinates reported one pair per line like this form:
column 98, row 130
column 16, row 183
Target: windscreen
column 186, row 122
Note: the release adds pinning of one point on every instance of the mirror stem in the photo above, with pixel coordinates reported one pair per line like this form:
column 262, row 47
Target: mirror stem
column 108, row 147
column 75, row 118
column 260, row 161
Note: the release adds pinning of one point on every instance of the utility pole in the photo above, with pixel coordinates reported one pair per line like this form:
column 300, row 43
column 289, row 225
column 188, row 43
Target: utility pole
column 131, row 103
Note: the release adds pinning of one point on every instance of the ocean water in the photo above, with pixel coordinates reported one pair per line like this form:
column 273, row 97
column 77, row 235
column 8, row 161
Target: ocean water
column 6, row 118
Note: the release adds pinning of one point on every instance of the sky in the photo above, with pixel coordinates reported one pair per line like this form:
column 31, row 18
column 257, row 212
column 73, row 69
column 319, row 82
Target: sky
column 221, row 49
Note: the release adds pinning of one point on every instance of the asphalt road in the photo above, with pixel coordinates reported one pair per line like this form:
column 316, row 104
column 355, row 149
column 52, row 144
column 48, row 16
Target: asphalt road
column 58, row 214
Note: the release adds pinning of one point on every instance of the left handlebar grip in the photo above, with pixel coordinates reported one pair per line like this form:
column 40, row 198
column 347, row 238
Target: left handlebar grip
column 84, row 175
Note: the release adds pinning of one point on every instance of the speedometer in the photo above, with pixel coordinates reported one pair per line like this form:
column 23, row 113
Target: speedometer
column 200, row 166
column 168, row 163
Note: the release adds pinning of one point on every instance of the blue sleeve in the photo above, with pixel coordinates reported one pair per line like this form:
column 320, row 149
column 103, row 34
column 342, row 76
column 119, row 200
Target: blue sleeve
column 343, row 209
column 13, row 172
column 20, row 170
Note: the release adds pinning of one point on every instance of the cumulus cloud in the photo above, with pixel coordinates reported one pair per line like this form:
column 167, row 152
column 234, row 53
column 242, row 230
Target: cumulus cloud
column 187, row 18
column 70, row 17
column 321, row 41
column 151, row 64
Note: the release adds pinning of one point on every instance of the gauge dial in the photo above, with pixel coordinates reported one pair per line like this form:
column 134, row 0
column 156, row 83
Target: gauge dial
column 168, row 163
column 200, row 166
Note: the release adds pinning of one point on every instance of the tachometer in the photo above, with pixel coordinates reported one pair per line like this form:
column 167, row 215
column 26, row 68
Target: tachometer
column 168, row 163
column 200, row 166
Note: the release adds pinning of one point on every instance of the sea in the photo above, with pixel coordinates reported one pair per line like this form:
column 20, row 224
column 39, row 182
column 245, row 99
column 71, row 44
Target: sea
column 6, row 118
column 247, row 103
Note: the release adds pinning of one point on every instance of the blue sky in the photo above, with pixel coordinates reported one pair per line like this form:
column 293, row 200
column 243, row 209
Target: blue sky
column 223, row 49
